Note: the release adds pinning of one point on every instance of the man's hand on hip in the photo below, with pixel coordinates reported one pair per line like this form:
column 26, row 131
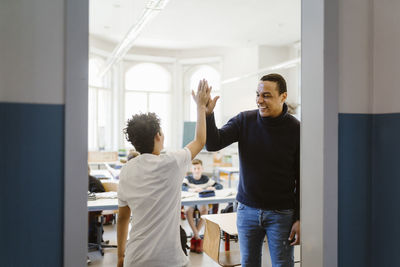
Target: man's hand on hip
column 295, row 233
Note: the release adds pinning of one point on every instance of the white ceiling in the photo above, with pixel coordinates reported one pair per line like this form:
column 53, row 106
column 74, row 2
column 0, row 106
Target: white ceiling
column 200, row 23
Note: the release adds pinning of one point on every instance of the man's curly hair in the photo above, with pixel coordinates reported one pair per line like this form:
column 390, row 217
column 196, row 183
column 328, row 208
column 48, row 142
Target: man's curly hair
column 140, row 131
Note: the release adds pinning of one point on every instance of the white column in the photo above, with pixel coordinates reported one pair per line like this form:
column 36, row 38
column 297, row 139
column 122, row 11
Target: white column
column 319, row 138
column 76, row 136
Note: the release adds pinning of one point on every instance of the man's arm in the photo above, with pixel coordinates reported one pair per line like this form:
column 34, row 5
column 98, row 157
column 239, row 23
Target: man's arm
column 220, row 138
column 124, row 215
column 217, row 139
column 201, row 99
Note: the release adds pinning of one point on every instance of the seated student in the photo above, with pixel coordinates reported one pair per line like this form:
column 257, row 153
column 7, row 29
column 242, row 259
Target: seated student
column 197, row 182
column 94, row 186
column 150, row 186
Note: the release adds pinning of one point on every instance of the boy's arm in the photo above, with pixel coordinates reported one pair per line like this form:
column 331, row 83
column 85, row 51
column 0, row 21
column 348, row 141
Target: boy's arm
column 124, row 214
column 201, row 98
column 210, row 184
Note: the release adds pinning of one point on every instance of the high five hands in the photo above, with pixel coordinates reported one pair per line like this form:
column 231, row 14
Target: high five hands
column 202, row 89
column 203, row 94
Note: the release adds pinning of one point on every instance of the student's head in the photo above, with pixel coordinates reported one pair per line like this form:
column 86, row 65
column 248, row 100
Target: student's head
column 197, row 168
column 271, row 94
column 143, row 131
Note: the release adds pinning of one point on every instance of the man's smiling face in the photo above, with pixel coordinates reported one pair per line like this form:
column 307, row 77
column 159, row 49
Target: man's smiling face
column 269, row 101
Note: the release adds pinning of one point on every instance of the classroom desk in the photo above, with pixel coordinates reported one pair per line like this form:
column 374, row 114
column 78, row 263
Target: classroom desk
column 229, row 171
column 221, row 196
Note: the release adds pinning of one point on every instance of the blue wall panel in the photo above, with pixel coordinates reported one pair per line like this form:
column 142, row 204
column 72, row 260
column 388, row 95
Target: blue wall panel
column 32, row 188
column 385, row 228
column 369, row 190
column 354, row 190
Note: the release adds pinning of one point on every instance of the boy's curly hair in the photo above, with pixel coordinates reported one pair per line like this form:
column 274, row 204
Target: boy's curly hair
column 140, row 131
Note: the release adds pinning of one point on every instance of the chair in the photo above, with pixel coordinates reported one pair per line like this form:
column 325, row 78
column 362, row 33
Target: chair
column 100, row 245
column 211, row 246
column 110, row 186
column 97, row 157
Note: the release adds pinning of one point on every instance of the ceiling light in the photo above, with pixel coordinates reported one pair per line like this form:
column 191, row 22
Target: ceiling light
column 153, row 7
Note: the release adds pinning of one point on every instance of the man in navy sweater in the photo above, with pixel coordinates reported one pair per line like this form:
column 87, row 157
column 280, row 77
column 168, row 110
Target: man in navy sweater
column 269, row 154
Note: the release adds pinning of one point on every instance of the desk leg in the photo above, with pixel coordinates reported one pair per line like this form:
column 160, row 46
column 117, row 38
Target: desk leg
column 227, row 244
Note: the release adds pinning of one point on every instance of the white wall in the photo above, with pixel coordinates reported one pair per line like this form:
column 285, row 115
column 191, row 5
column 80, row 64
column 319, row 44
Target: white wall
column 270, row 56
column 386, row 56
column 369, row 56
column 34, row 51
column 355, row 57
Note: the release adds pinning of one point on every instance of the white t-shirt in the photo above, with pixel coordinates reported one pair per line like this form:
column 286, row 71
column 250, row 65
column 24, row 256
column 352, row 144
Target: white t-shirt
column 151, row 186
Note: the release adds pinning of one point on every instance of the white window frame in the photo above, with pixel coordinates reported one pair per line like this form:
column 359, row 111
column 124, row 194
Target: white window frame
column 160, row 62
column 106, row 86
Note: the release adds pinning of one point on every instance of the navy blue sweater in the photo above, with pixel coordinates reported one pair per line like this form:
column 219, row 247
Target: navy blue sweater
column 269, row 154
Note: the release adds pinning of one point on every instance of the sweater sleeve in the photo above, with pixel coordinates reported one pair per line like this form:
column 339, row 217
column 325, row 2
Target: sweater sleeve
column 220, row 138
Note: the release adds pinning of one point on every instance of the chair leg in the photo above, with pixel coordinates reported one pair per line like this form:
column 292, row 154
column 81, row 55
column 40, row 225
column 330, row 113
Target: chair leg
column 227, row 240
column 100, row 245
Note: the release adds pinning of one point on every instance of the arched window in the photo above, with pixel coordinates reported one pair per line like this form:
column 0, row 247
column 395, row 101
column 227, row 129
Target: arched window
column 214, row 79
column 147, row 89
column 100, row 124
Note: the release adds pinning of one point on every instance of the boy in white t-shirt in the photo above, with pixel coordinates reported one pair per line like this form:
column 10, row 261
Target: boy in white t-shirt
column 150, row 186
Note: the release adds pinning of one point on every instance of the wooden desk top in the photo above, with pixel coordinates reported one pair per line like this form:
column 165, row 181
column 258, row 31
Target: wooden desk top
column 226, row 221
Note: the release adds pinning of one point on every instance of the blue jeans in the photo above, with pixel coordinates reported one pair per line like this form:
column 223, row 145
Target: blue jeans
column 253, row 224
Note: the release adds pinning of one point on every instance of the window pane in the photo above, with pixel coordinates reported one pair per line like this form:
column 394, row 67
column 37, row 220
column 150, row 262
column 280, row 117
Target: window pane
column 159, row 104
column 147, row 77
column 104, row 124
column 135, row 103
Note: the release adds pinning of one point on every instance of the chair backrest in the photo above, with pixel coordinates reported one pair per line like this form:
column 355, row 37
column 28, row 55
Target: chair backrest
column 212, row 240
column 110, row 187
column 101, row 156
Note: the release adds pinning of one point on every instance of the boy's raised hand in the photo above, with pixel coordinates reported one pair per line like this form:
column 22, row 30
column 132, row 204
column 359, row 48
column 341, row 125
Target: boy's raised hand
column 203, row 94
